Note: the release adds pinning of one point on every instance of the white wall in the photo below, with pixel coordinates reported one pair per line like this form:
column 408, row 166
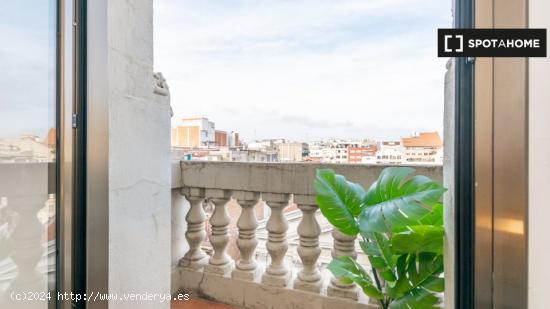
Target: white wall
column 139, row 159
column 539, row 165
column 448, row 182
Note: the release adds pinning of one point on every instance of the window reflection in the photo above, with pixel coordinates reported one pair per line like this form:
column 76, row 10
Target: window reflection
column 27, row 153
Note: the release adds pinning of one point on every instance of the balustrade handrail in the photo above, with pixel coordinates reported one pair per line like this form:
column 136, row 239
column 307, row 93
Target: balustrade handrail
column 277, row 185
column 279, row 178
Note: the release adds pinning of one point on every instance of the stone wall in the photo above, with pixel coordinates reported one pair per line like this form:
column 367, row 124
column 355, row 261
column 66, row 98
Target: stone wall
column 135, row 122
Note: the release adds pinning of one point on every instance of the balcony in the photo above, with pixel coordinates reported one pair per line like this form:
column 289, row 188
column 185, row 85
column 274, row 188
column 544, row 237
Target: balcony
column 250, row 235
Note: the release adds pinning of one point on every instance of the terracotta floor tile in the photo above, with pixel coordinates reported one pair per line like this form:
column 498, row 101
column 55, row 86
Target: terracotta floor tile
column 197, row 304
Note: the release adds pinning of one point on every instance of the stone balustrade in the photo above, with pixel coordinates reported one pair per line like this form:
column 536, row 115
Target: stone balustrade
column 27, row 239
column 273, row 188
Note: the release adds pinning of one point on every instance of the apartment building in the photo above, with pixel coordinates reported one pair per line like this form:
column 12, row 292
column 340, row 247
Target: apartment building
column 227, row 154
column 233, row 139
column 292, row 151
column 423, row 148
column 333, row 151
column 220, row 138
column 316, row 151
column 263, row 151
column 390, row 152
column 26, row 148
column 262, row 144
column 194, row 132
column 362, row 154
column 200, row 132
column 337, row 151
column 267, row 155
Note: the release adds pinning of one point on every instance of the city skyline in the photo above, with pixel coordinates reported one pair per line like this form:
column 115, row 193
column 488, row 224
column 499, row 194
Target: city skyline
column 198, row 138
column 248, row 139
column 352, row 69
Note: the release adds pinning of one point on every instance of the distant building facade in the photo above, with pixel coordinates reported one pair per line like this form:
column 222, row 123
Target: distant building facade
column 390, row 153
column 292, row 151
column 220, row 138
column 233, row 139
column 423, row 148
column 266, row 156
column 28, row 148
column 262, row 144
column 195, row 132
column 196, row 138
column 332, row 151
column 362, row 154
column 200, row 132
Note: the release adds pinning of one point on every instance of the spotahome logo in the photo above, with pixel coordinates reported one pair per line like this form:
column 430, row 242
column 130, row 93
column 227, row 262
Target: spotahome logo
column 491, row 42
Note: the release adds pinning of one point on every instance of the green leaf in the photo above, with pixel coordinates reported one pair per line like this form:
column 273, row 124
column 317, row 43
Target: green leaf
column 380, row 255
column 422, row 279
column 417, row 299
column 435, row 217
column 339, row 200
column 397, row 200
column 400, row 219
column 419, row 238
column 347, row 269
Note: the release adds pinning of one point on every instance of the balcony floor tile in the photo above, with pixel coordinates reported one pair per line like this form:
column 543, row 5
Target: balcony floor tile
column 197, row 304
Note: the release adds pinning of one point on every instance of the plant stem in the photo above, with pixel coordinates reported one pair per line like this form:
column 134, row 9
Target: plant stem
column 383, row 302
column 375, row 274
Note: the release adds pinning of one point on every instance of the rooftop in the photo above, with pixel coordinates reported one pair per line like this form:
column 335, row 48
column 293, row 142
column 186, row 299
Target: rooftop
column 424, row 139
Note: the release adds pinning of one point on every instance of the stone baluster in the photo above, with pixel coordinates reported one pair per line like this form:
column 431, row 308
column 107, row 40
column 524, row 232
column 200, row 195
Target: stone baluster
column 27, row 251
column 277, row 273
column 246, row 267
column 309, row 277
column 179, row 209
column 195, row 258
column 344, row 245
column 220, row 263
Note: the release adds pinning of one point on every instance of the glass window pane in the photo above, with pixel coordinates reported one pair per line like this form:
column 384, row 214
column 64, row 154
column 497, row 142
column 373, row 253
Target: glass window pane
column 27, row 153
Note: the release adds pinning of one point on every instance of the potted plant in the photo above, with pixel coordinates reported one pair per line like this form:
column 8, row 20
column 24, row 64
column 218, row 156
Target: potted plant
column 399, row 221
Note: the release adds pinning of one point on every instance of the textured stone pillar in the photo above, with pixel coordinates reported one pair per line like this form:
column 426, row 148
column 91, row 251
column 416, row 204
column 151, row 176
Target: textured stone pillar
column 247, row 267
column 277, row 273
column 309, row 277
column 220, row 263
column 195, row 258
column 180, row 208
column 344, row 245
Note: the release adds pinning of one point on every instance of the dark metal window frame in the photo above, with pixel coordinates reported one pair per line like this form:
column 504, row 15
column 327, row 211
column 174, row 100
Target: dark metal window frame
column 71, row 278
column 79, row 245
column 464, row 166
column 54, row 303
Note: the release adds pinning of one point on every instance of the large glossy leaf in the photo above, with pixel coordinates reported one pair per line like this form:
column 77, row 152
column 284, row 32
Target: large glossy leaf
column 380, row 254
column 339, row 200
column 419, row 283
column 416, row 299
column 419, row 238
column 348, row 270
column 397, row 200
column 435, row 217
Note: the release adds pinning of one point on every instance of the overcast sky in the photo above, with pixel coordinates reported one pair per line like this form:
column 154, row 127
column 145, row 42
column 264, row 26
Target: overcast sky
column 298, row 69
column 305, row 69
column 27, row 67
